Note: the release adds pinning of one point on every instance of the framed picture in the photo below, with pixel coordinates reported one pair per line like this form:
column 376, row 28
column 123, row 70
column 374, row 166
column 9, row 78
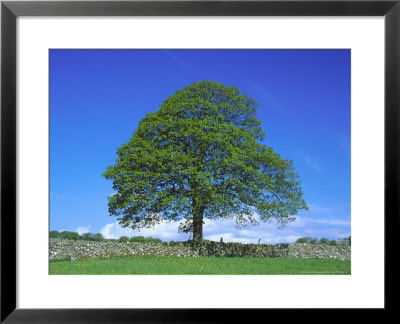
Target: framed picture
column 67, row 67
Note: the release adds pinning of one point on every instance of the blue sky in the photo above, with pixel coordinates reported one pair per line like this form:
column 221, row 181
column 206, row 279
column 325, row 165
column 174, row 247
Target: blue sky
column 98, row 97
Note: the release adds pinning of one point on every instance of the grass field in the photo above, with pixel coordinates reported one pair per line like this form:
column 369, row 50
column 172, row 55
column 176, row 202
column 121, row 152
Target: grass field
column 200, row 266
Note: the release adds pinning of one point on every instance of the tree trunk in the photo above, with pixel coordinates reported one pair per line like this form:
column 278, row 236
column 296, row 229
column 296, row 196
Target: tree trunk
column 198, row 212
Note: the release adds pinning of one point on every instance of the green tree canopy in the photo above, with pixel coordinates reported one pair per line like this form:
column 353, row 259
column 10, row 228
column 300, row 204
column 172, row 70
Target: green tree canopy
column 151, row 240
column 124, row 239
column 136, row 239
column 69, row 235
column 302, row 240
column 98, row 237
column 87, row 236
column 323, row 240
column 201, row 156
column 54, row 234
column 346, row 241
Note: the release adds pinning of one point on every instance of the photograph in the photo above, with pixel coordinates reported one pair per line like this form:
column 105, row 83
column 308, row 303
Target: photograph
column 199, row 161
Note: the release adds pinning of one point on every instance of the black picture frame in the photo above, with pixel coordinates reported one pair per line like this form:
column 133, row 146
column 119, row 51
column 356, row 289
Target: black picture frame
column 10, row 10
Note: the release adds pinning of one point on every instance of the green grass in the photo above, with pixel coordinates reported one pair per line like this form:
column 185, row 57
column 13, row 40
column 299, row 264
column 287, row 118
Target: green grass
column 200, row 266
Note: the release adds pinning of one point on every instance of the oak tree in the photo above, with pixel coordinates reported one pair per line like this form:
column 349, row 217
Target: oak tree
column 201, row 156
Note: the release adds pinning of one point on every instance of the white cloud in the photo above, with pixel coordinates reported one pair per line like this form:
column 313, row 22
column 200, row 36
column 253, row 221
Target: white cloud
column 164, row 231
column 336, row 233
column 266, row 232
column 339, row 222
column 318, row 209
column 270, row 233
column 229, row 237
column 310, row 222
column 82, row 229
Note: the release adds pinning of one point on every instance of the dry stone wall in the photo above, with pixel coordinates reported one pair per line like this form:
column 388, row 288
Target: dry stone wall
column 81, row 250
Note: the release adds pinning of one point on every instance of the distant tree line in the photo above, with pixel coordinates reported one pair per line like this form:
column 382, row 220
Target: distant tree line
column 324, row 240
column 143, row 239
column 66, row 235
